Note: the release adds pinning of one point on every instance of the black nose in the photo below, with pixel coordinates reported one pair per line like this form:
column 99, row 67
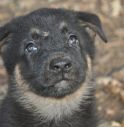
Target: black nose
column 61, row 64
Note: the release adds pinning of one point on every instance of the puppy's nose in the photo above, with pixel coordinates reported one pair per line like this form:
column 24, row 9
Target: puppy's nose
column 61, row 64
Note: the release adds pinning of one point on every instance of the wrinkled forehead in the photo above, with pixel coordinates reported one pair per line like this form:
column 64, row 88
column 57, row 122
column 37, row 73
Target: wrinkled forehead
column 45, row 30
column 48, row 21
column 48, row 25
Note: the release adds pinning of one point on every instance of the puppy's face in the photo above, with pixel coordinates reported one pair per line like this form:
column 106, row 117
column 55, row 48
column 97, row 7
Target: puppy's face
column 53, row 61
column 48, row 50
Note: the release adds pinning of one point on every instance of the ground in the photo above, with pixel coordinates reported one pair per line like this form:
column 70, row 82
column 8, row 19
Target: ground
column 109, row 63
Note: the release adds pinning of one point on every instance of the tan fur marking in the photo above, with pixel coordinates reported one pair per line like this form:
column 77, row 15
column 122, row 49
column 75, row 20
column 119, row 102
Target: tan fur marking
column 89, row 63
column 45, row 34
column 20, row 81
column 63, row 25
column 35, row 30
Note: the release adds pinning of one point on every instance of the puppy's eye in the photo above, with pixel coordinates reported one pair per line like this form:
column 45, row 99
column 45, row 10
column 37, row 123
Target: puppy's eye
column 31, row 48
column 73, row 40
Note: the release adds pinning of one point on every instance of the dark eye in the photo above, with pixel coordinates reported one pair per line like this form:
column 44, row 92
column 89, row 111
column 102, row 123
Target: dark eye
column 31, row 48
column 73, row 40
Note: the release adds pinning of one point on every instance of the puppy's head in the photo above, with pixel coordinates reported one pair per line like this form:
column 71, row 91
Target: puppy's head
column 46, row 51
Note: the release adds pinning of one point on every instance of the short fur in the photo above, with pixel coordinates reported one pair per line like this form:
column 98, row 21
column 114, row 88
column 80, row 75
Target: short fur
column 48, row 55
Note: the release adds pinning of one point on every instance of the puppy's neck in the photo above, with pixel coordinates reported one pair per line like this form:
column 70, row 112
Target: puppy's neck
column 51, row 108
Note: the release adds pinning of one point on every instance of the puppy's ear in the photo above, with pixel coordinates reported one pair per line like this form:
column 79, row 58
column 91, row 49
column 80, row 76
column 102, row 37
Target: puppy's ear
column 92, row 24
column 5, row 31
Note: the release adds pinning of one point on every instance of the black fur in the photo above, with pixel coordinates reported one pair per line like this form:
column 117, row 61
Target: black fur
column 49, row 46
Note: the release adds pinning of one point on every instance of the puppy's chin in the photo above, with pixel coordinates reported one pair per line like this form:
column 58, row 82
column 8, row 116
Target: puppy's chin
column 62, row 85
column 59, row 89
column 63, row 88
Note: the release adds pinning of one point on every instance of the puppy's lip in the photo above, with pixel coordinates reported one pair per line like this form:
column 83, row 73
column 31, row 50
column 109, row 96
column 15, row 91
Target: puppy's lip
column 63, row 80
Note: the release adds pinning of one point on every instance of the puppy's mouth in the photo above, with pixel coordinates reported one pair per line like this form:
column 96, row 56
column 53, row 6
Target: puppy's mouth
column 63, row 87
column 63, row 83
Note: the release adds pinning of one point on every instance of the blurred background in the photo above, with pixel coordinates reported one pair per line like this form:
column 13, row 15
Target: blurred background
column 109, row 63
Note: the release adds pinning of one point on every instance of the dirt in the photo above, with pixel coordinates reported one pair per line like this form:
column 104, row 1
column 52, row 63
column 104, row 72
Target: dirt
column 109, row 63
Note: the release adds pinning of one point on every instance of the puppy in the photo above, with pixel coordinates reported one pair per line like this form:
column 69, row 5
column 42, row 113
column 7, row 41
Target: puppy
column 48, row 55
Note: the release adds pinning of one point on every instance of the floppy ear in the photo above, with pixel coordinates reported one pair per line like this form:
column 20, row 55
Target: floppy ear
column 5, row 31
column 92, row 24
